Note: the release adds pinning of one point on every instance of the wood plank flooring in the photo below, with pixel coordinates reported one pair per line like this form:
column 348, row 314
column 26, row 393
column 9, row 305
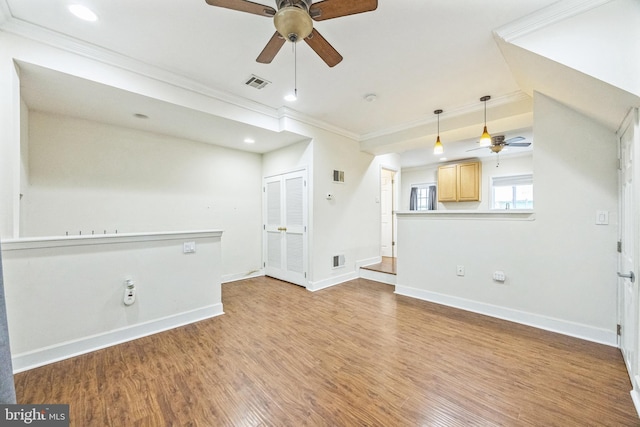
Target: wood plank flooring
column 351, row 355
column 386, row 265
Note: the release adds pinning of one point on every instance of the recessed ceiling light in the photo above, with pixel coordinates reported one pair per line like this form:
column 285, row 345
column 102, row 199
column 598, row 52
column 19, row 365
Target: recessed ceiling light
column 443, row 159
column 370, row 97
column 83, row 12
column 249, row 140
column 140, row 116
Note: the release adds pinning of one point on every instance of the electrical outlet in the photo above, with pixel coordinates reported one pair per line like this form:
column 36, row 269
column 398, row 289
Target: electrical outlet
column 460, row 270
column 499, row 276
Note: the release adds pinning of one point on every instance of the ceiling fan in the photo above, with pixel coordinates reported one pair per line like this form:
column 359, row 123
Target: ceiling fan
column 294, row 22
column 498, row 143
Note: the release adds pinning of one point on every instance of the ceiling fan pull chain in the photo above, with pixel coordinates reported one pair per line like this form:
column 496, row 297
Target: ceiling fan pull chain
column 295, row 69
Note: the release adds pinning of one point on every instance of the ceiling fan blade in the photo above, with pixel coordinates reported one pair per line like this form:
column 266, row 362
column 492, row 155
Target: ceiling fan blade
column 322, row 47
column 244, row 6
column 271, row 49
column 478, row 148
column 328, row 9
column 519, row 144
column 514, row 139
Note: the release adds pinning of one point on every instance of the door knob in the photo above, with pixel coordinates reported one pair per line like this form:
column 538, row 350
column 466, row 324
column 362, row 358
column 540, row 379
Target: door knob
column 630, row 275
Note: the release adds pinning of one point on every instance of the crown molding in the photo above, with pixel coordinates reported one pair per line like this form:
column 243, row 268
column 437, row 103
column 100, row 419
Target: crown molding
column 20, row 28
column 115, row 59
column 511, row 98
column 288, row 113
column 5, row 12
column 549, row 15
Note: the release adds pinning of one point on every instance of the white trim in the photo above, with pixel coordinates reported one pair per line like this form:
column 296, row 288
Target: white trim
column 337, row 280
column 227, row 278
column 103, row 239
column 585, row 332
column 511, row 98
column 556, row 12
column 493, row 215
column 33, row 359
column 378, row 276
column 368, row 261
column 635, row 397
column 302, row 168
column 288, row 113
column 24, row 29
column 332, row 281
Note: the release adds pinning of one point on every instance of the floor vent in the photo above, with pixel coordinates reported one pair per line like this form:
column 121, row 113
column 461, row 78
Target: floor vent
column 338, row 261
column 338, row 176
column 257, row 82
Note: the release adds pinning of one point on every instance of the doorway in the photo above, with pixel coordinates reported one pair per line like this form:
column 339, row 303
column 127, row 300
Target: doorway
column 285, row 243
column 628, row 243
column 387, row 216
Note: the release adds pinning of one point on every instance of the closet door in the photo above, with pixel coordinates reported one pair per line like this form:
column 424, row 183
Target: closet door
column 285, row 227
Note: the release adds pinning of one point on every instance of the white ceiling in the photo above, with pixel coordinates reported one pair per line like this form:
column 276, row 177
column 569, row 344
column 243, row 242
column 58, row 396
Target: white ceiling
column 415, row 56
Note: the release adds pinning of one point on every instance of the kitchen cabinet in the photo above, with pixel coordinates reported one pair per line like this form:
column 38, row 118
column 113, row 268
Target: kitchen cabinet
column 459, row 182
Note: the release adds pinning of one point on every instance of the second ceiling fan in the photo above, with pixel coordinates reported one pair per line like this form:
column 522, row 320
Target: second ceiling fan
column 294, row 22
column 498, row 143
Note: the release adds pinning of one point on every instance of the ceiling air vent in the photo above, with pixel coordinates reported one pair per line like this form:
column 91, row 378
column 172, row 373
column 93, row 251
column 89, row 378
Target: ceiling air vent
column 257, row 82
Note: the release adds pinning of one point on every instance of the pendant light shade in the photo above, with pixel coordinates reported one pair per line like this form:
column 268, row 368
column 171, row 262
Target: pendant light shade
column 438, row 148
column 485, row 139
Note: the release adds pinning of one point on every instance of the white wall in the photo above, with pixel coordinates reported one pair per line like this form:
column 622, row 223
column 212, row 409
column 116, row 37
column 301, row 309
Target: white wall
column 349, row 224
column 65, row 295
column 609, row 32
column 509, row 165
column 560, row 267
column 88, row 176
column 9, row 148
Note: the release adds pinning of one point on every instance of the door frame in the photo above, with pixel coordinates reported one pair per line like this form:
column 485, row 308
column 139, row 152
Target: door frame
column 394, row 207
column 632, row 122
column 301, row 281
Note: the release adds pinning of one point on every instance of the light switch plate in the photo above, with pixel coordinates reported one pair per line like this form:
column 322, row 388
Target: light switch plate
column 189, row 247
column 602, row 217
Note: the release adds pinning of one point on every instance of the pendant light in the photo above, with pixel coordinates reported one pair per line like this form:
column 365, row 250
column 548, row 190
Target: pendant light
column 485, row 139
column 438, row 148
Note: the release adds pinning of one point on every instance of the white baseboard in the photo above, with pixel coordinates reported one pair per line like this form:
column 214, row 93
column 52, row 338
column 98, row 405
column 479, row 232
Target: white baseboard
column 635, row 396
column 33, row 359
column 240, row 276
column 332, row 281
column 585, row 332
column 377, row 276
column 369, row 261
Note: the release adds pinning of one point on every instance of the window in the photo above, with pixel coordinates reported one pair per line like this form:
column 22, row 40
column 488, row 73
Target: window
column 512, row 192
column 423, row 197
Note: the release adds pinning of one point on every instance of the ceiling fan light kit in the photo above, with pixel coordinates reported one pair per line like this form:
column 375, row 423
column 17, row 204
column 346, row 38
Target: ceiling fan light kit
column 294, row 22
column 485, row 138
column 438, row 148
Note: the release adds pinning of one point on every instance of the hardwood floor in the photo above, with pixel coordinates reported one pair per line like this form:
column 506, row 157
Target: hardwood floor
column 387, row 265
column 351, row 355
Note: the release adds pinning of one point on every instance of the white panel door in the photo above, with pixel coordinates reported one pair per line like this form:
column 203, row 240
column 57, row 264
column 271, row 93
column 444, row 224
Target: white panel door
column 386, row 213
column 627, row 285
column 285, row 227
